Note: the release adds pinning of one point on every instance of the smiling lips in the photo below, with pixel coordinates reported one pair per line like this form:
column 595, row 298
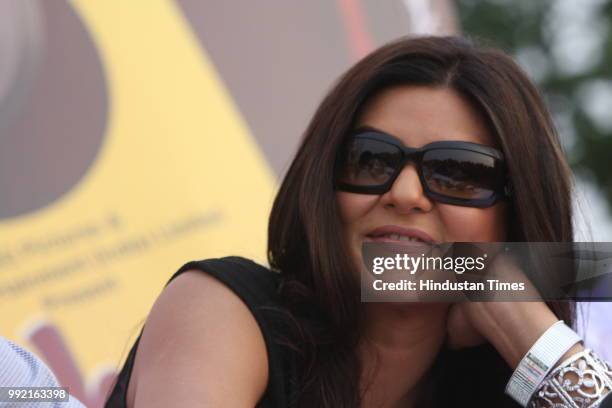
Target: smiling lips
column 393, row 233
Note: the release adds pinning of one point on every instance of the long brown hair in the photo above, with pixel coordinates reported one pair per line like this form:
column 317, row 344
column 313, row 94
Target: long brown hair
column 305, row 240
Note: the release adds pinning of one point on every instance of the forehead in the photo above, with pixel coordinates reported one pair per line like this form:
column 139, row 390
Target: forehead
column 419, row 115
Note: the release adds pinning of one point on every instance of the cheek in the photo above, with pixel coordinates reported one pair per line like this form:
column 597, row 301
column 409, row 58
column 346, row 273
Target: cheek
column 353, row 207
column 474, row 224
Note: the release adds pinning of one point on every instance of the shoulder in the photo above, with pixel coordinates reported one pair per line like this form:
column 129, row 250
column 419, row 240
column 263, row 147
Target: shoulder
column 201, row 342
column 21, row 368
column 249, row 280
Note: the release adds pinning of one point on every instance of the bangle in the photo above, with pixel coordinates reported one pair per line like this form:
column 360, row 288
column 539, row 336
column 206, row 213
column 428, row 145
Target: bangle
column 539, row 360
column 583, row 380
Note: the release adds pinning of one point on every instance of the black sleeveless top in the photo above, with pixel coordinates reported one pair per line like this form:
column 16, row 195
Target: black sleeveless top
column 257, row 287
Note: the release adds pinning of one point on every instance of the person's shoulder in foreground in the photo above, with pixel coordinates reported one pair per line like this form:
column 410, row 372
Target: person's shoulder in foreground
column 20, row 368
column 203, row 342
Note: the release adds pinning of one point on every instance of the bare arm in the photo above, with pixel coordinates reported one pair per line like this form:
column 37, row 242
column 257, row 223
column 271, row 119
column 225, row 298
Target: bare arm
column 201, row 346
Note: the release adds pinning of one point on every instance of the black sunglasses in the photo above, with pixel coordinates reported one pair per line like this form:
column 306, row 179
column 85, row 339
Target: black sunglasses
column 451, row 172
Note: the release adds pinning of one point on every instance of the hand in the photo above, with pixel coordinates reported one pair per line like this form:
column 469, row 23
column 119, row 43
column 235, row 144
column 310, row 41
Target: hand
column 511, row 327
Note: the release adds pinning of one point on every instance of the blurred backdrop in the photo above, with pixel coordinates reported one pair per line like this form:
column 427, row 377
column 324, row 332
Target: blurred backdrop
column 135, row 137
column 566, row 48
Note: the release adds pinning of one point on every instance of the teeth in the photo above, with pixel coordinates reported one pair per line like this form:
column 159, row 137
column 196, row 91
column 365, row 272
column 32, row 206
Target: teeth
column 398, row 237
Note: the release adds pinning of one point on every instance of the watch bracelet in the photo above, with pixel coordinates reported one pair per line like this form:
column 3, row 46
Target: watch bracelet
column 541, row 358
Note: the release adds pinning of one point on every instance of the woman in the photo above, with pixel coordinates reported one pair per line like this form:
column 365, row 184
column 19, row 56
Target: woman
column 231, row 333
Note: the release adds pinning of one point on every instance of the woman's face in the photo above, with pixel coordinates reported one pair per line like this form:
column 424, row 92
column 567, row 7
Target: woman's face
column 420, row 115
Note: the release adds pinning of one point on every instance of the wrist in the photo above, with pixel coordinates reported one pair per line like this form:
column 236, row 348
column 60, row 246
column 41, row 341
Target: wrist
column 538, row 362
column 516, row 326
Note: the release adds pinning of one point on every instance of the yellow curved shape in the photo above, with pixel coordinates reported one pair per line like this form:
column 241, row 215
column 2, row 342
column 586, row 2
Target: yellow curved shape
column 179, row 177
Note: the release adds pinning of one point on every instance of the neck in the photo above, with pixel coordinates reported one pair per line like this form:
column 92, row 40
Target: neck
column 399, row 345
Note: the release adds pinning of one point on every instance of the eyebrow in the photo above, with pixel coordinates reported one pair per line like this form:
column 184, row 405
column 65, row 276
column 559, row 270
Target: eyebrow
column 375, row 129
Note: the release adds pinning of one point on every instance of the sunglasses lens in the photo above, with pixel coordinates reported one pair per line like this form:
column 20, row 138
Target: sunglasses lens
column 462, row 174
column 368, row 162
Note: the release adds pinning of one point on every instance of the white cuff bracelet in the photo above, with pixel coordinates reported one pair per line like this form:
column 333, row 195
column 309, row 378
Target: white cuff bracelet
column 539, row 360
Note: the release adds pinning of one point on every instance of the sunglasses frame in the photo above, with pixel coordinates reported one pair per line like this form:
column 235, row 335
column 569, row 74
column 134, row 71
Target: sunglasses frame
column 415, row 155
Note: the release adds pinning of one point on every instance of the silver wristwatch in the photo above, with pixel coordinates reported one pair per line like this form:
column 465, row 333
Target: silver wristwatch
column 539, row 361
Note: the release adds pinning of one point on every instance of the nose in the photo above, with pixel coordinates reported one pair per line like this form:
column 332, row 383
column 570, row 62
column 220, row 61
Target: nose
column 407, row 194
